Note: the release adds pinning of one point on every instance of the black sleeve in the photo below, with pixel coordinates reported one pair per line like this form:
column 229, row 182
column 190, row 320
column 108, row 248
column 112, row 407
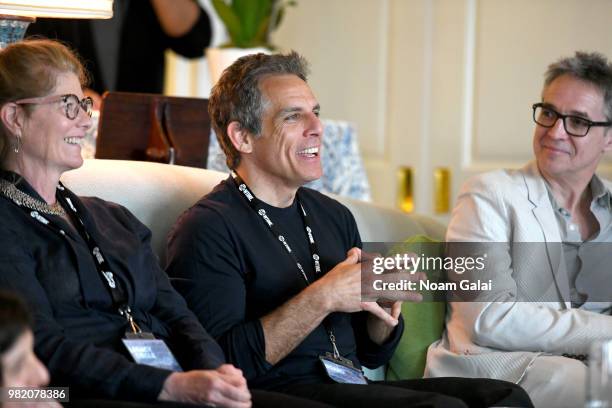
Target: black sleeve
column 370, row 354
column 194, row 42
column 81, row 364
column 353, row 231
column 189, row 338
column 205, row 265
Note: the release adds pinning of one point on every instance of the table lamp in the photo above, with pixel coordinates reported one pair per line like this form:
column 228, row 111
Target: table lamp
column 16, row 15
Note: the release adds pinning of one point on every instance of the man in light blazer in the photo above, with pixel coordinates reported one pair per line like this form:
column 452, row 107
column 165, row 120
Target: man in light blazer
column 551, row 223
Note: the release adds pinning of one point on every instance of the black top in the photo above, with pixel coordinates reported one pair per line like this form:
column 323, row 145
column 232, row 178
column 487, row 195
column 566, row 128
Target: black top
column 232, row 270
column 77, row 331
column 143, row 43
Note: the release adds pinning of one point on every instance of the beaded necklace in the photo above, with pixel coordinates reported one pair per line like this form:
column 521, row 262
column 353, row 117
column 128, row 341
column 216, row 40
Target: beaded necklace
column 22, row 199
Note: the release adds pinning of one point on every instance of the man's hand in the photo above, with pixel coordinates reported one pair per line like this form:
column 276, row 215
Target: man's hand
column 176, row 17
column 341, row 289
column 378, row 329
column 390, row 300
column 224, row 387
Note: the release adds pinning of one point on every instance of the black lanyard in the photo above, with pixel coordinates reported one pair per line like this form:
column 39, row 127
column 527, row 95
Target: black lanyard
column 256, row 206
column 114, row 286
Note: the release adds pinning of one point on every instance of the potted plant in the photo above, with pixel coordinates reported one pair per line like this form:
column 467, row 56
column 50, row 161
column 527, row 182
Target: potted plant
column 249, row 24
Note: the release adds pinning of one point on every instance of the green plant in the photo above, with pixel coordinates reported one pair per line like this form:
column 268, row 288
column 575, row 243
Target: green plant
column 250, row 22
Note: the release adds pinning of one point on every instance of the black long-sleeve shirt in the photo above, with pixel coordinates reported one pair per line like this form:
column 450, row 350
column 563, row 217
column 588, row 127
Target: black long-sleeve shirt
column 77, row 330
column 232, row 270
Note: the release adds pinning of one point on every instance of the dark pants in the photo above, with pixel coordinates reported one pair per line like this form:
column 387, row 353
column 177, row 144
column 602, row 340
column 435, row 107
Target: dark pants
column 260, row 399
column 448, row 392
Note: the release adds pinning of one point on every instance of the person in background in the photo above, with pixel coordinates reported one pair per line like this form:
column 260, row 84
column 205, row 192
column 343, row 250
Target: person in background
column 126, row 53
column 107, row 322
column 19, row 366
column 547, row 228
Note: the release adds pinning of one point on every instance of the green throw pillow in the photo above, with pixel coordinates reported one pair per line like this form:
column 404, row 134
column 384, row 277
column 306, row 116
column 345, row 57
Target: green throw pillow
column 423, row 322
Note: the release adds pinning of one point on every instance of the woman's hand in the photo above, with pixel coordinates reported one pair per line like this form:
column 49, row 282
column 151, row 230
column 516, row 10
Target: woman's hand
column 223, row 387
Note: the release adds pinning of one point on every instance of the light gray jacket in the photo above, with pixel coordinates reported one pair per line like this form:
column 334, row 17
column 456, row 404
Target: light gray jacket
column 526, row 313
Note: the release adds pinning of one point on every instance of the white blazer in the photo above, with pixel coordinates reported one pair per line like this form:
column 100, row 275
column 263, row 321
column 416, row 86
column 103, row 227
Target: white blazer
column 527, row 313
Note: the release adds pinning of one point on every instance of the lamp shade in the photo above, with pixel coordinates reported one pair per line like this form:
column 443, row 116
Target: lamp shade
column 57, row 8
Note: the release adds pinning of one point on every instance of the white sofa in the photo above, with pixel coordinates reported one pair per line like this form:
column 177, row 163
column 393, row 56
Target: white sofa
column 158, row 193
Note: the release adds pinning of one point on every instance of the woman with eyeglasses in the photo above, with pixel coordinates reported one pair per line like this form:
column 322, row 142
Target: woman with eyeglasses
column 107, row 322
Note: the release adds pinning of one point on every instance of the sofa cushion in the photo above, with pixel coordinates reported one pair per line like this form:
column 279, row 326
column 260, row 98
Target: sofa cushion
column 423, row 322
column 156, row 193
column 381, row 224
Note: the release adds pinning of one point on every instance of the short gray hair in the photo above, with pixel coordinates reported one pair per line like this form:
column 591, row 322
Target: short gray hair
column 237, row 97
column 592, row 67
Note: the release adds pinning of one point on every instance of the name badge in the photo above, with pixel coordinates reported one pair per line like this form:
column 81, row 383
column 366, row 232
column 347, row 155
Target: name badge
column 341, row 370
column 152, row 352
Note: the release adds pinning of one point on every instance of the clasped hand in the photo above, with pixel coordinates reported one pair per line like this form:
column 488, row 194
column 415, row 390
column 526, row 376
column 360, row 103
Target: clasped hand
column 342, row 291
column 222, row 387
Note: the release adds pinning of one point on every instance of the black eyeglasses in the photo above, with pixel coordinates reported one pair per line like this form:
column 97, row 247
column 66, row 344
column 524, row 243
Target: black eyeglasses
column 71, row 103
column 574, row 125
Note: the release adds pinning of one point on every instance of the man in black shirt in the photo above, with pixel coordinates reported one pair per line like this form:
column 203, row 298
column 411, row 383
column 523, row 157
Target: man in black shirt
column 272, row 269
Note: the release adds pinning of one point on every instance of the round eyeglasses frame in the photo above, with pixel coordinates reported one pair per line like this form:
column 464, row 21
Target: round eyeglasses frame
column 71, row 110
column 589, row 123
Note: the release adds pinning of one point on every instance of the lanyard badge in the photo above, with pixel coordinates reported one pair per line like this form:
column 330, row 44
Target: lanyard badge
column 145, row 348
column 341, row 370
column 151, row 352
column 337, row 367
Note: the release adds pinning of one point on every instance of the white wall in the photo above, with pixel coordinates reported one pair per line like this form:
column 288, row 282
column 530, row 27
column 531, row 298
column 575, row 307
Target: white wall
column 433, row 82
